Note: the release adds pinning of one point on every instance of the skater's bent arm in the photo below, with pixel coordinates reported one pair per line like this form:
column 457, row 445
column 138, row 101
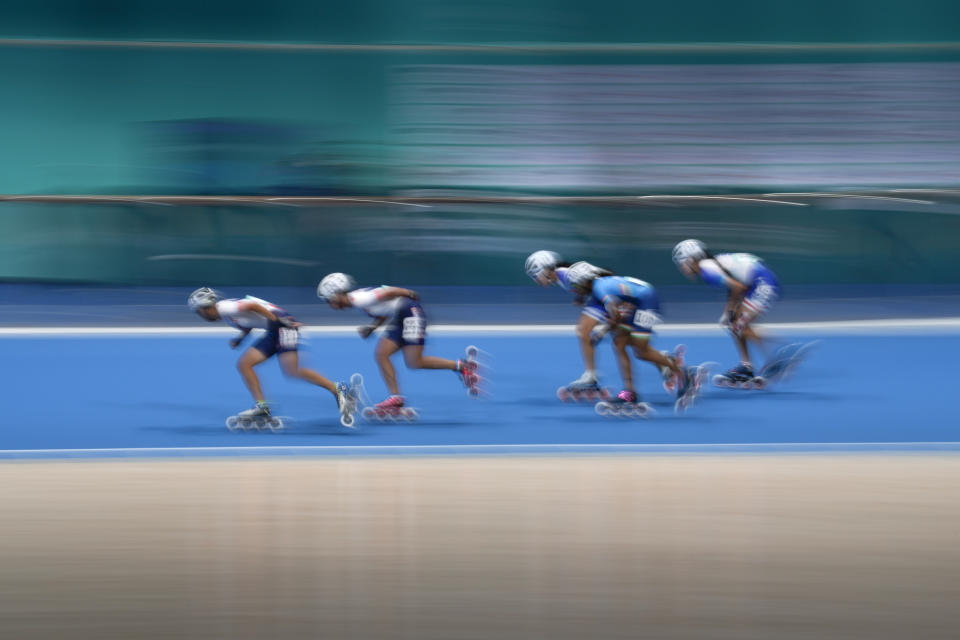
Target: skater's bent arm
column 237, row 339
column 259, row 309
column 737, row 292
column 368, row 329
column 388, row 293
column 614, row 307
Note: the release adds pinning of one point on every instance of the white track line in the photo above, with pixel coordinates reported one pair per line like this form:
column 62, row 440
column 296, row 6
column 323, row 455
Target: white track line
column 839, row 327
column 505, row 448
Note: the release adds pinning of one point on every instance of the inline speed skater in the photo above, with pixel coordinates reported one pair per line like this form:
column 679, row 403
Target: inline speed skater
column 281, row 338
column 406, row 330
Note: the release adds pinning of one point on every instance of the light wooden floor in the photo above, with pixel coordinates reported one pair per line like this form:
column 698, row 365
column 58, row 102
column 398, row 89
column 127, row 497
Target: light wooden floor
column 449, row 548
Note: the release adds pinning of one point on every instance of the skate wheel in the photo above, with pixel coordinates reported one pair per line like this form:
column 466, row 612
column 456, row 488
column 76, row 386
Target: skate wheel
column 356, row 380
column 605, row 393
column 564, row 395
column 233, row 423
column 369, row 413
column 603, row 409
column 348, row 419
column 758, row 383
column 275, row 424
column 670, row 384
column 246, row 424
column 410, row 415
column 642, row 410
column 721, row 381
column 472, row 352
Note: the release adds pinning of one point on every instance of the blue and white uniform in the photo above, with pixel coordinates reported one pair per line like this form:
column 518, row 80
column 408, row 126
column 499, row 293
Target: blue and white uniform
column 763, row 285
column 276, row 338
column 635, row 301
column 591, row 307
column 407, row 322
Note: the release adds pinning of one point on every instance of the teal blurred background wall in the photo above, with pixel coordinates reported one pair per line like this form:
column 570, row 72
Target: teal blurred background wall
column 840, row 241
column 81, row 115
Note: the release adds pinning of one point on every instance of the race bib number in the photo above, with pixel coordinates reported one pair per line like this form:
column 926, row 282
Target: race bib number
column 413, row 329
column 288, row 338
column 646, row 318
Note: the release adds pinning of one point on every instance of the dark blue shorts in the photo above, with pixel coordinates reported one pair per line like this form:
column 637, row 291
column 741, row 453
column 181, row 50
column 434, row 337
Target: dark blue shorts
column 408, row 326
column 277, row 339
column 641, row 315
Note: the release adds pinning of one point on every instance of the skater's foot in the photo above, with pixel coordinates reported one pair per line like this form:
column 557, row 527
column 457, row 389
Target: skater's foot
column 260, row 409
column 393, row 402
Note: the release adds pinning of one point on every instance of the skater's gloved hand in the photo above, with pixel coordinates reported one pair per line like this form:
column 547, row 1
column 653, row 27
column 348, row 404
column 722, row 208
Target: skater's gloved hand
column 366, row 330
column 288, row 322
column 237, row 339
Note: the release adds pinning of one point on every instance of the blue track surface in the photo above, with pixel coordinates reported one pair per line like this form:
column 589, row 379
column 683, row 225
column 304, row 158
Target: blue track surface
column 174, row 392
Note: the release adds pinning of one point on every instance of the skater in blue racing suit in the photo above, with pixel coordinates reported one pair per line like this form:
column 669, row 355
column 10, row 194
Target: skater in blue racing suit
column 633, row 310
column 752, row 289
column 546, row 268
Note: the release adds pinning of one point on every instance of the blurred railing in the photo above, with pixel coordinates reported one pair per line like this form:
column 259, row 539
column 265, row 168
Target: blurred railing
column 895, row 236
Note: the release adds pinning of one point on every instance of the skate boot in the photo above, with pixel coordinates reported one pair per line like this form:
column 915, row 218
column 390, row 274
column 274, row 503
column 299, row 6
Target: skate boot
column 259, row 417
column 469, row 371
column 347, row 404
column 740, row 377
column 785, row 360
column 689, row 387
column 586, row 388
column 392, row 409
column 669, row 377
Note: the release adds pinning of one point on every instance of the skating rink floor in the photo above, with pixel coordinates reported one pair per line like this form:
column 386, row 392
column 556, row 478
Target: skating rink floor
column 826, row 507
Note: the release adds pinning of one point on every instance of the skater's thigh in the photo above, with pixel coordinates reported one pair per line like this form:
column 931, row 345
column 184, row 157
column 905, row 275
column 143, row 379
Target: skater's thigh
column 289, row 362
column 252, row 357
column 386, row 348
column 641, row 344
column 412, row 355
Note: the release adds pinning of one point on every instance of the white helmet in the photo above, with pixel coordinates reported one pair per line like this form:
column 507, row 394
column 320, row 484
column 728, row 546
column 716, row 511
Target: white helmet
column 579, row 274
column 202, row 298
column 689, row 250
column 334, row 283
column 540, row 261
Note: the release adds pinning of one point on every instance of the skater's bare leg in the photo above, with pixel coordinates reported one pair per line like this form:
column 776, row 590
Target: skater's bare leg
column 250, row 359
column 385, row 349
column 413, row 355
column 290, row 365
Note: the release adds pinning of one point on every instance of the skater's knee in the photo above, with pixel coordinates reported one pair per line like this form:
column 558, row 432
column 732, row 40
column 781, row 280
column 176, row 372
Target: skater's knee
column 583, row 332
